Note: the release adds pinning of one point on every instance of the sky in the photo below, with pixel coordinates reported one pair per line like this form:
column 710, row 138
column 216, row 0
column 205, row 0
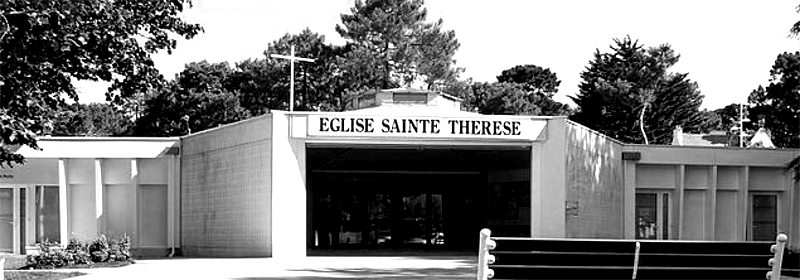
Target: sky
column 727, row 47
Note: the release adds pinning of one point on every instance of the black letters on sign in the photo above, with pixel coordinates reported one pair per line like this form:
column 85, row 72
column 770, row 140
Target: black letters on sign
column 419, row 126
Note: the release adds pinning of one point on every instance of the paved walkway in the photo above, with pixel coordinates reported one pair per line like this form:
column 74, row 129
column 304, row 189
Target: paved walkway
column 309, row 268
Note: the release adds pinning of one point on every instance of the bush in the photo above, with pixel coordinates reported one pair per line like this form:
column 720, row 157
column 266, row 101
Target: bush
column 51, row 255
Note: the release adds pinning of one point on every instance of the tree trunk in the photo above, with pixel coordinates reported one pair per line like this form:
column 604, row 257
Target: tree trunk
column 641, row 124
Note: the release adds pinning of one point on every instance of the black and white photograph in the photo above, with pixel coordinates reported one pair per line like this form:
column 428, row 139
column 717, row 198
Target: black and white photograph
column 399, row 139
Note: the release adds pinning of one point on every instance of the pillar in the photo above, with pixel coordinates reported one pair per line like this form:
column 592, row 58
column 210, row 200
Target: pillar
column 629, row 201
column 288, row 191
column 98, row 196
column 63, row 216
column 135, row 198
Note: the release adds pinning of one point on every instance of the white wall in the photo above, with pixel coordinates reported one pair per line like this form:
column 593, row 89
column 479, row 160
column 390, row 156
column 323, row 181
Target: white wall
column 711, row 187
column 103, row 194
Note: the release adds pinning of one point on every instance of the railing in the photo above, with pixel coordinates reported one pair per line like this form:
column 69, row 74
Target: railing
column 777, row 261
column 484, row 258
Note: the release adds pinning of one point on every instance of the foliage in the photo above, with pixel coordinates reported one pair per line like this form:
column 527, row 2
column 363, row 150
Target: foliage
column 76, row 253
column 95, row 119
column 46, row 45
column 513, row 99
column 534, row 79
column 503, row 99
column 199, row 98
column 534, row 88
column 724, row 118
column 778, row 105
column 795, row 30
column 462, row 89
column 390, row 44
column 618, row 86
column 317, row 85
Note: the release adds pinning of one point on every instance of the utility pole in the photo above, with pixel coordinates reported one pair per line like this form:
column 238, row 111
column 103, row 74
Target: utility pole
column 742, row 120
column 291, row 59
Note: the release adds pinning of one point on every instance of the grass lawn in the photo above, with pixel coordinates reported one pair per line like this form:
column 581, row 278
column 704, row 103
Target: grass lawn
column 55, row 274
column 39, row 274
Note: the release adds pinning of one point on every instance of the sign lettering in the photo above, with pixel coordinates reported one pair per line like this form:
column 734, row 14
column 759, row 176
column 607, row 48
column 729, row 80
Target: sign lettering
column 443, row 127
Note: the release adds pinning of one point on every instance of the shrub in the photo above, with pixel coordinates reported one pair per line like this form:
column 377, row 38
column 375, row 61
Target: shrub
column 51, row 255
column 99, row 249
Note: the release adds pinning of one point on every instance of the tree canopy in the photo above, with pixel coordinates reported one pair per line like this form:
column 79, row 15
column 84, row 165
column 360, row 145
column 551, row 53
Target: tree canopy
column 391, row 44
column 520, row 90
column 618, row 87
column 778, row 105
column 47, row 45
column 95, row 119
column 199, row 98
column 534, row 79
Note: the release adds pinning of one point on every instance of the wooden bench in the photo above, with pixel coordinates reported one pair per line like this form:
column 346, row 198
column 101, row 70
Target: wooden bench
column 544, row 258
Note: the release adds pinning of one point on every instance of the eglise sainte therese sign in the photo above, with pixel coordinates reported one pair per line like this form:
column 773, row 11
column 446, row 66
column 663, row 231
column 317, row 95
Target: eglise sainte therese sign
column 425, row 127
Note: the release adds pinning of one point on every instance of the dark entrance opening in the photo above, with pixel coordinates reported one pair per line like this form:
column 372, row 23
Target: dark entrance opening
column 411, row 197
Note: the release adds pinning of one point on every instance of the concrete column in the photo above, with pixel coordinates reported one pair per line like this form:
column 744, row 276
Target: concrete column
column 30, row 215
column 171, row 201
column 176, row 192
column 629, row 200
column 679, row 192
column 98, row 197
column 63, row 216
column 742, row 210
column 135, row 198
column 711, row 206
column 288, row 191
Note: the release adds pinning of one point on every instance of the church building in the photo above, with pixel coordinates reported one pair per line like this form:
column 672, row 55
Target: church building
column 404, row 169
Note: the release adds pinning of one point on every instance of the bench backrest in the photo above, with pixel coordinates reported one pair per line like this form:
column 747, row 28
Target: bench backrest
column 542, row 258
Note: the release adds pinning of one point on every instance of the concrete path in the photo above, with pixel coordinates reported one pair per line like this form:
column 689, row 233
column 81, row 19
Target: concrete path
column 309, row 268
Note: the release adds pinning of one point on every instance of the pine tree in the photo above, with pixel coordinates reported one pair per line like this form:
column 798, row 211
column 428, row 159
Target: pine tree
column 630, row 90
column 391, row 41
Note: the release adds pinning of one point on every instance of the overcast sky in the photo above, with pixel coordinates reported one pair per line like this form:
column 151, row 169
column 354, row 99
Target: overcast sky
column 728, row 47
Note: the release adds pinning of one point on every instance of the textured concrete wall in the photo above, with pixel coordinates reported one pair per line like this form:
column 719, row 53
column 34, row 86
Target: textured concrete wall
column 594, row 196
column 226, row 190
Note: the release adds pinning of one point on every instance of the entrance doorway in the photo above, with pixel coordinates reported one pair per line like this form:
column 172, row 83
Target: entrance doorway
column 386, row 211
column 379, row 220
column 424, row 198
column 764, row 216
column 652, row 215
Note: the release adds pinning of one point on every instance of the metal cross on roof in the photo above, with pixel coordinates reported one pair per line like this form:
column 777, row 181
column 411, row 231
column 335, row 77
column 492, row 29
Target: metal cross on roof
column 291, row 59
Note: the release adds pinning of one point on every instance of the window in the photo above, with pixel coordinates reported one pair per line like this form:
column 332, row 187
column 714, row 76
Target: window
column 47, row 214
column 6, row 220
column 652, row 215
column 400, row 97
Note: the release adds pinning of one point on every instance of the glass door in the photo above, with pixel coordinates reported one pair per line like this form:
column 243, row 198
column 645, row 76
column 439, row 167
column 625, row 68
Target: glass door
column 422, row 219
column 6, row 220
column 378, row 220
column 652, row 215
column 764, row 225
column 413, row 220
